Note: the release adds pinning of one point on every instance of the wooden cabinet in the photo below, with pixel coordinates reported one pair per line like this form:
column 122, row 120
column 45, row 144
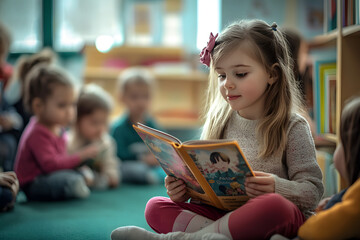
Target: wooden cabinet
column 178, row 95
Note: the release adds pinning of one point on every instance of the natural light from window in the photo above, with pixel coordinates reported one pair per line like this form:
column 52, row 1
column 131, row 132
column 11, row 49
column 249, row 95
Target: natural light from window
column 208, row 20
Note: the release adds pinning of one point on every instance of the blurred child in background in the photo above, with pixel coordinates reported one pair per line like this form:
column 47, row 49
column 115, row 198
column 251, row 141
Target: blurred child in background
column 5, row 69
column 339, row 217
column 44, row 168
column 14, row 93
column 298, row 49
column 139, row 165
column 93, row 110
column 10, row 123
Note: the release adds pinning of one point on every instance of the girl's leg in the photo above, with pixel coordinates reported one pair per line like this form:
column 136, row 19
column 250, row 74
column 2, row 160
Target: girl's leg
column 163, row 215
column 260, row 218
column 59, row 185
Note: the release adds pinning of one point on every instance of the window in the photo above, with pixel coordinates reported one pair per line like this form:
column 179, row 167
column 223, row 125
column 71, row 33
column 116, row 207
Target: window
column 77, row 22
column 208, row 20
column 23, row 19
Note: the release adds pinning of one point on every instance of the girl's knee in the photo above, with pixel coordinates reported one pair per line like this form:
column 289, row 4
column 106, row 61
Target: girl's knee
column 154, row 205
column 277, row 205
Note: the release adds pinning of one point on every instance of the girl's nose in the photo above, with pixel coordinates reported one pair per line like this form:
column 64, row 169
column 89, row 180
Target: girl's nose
column 229, row 84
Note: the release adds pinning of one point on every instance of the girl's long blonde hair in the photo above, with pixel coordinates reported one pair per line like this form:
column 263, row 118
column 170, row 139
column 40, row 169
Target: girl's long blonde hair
column 282, row 97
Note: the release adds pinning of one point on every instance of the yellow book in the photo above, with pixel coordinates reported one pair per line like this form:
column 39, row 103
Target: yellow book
column 213, row 170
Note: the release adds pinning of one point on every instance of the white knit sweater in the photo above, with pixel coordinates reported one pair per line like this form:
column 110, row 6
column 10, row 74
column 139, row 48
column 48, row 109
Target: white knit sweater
column 298, row 176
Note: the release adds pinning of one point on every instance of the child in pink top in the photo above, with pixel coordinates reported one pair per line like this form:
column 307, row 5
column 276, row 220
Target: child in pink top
column 44, row 169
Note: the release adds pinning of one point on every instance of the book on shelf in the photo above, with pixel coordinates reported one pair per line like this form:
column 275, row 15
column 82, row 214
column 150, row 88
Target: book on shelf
column 330, row 103
column 325, row 96
column 350, row 13
column 214, row 171
column 330, row 15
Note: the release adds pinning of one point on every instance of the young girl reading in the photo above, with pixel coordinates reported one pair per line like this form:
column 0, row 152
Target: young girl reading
column 252, row 97
column 93, row 111
column 44, row 168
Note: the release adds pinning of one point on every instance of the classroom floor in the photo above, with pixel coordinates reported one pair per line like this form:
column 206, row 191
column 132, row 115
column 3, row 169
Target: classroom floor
column 93, row 218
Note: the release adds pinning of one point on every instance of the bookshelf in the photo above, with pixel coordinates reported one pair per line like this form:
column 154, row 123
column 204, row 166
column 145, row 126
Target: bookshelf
column 346, row 40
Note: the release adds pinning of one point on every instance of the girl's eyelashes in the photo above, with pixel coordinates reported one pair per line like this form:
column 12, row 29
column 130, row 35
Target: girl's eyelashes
column 241, row 75
column 221, row 76
column 238, row 75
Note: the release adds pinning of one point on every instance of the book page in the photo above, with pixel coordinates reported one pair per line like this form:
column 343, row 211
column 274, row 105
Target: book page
column 159, row 133
column 200, row 142
column 223, row 166
column 170, row 160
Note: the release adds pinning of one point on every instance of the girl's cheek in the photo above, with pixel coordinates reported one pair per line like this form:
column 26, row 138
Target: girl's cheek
column 339, row 161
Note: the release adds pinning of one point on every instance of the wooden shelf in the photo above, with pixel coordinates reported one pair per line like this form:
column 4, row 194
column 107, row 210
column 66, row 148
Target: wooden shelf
column 178, row 123
column 351, row 31
column 113, row 73
column 329, row 39
column 326, row 40
column 330, row 137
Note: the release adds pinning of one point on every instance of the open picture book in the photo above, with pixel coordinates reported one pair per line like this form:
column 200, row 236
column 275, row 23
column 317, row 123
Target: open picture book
column 213, row 170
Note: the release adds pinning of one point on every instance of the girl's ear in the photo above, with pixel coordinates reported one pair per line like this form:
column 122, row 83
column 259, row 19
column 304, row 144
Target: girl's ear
column 274, row 73
column 37, row 105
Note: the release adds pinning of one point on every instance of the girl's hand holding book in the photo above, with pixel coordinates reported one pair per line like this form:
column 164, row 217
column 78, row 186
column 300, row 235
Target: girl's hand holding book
column 261, row 184
column 176, row 189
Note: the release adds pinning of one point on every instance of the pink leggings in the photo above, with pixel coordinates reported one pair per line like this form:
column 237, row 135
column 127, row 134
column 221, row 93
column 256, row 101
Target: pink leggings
column 259, row 218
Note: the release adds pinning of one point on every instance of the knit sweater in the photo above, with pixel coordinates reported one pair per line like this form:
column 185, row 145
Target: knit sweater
column 342, row 221
column 297, row 175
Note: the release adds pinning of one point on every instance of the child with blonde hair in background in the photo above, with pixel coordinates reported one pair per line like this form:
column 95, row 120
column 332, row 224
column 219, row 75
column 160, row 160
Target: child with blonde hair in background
column 138, row 164
column 252, row 98
column 5, row 68
column 14, row 93
column 44, row 168
column 91, row 127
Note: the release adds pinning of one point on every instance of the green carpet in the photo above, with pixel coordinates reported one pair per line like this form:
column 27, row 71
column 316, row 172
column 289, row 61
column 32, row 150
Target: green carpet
column 93, row 218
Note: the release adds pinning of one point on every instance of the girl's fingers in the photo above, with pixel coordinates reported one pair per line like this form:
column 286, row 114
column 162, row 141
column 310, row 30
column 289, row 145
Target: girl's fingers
column 11, row 174
column 5, row 183
column 178, row 196
column 10, row 179
column 174, row 185
column 169, row 179
column 259, row 173
column 260, row 180
column 175, row 191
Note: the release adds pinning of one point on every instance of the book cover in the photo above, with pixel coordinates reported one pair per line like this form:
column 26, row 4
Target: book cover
column 214, row 171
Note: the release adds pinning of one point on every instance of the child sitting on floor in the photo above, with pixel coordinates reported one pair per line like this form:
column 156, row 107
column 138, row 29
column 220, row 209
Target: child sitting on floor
column 341, row 216
column 139, row 165
column 93, row 109
column 44, row 168
column 252, row 98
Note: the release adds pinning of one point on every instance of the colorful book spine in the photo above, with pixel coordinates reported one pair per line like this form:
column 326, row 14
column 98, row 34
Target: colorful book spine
column 322, row 94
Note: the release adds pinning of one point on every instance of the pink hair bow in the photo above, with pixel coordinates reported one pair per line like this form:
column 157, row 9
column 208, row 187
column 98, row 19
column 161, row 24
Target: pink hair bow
column 205, row 55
